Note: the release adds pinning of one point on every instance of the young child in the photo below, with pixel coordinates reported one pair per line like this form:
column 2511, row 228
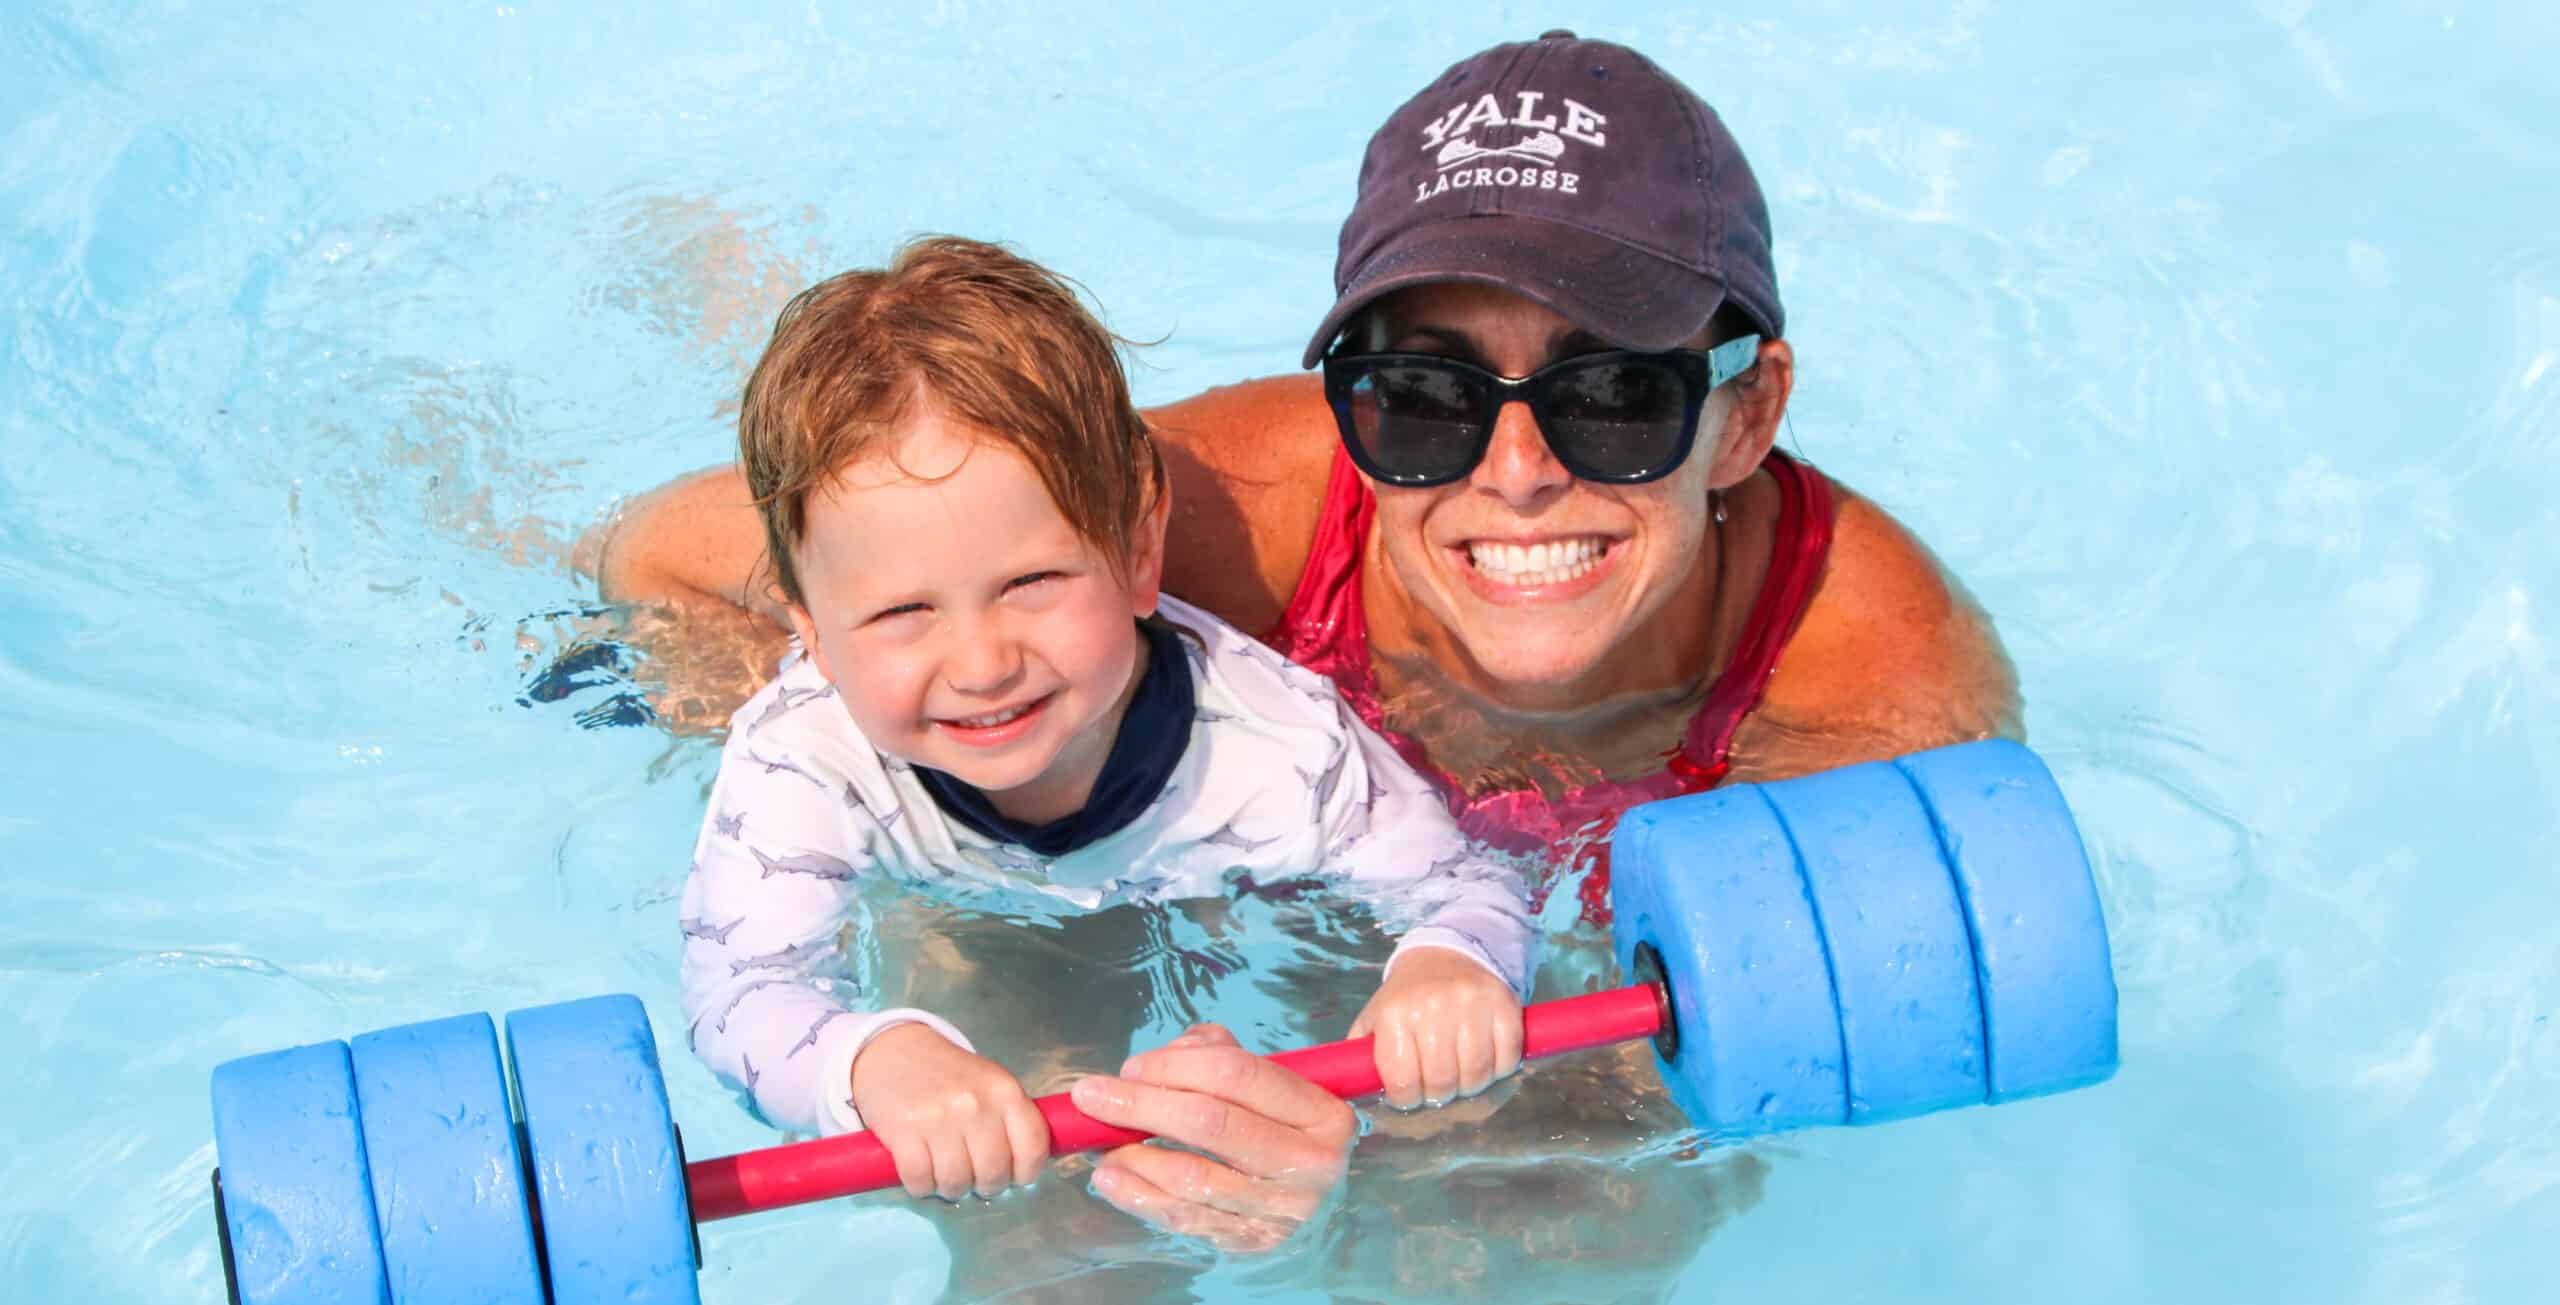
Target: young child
column 966, row 516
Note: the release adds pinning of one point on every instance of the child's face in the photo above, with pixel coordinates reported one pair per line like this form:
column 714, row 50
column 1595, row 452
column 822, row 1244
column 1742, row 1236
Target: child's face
column 966, row 625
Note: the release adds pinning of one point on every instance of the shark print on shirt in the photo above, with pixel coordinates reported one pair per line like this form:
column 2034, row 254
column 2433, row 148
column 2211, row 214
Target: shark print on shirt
column 1279, row 783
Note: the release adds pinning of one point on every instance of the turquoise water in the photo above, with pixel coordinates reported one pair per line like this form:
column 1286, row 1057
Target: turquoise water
column 2216, row 346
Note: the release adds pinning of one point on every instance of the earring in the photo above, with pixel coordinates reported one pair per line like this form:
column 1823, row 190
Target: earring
column 1715, row 500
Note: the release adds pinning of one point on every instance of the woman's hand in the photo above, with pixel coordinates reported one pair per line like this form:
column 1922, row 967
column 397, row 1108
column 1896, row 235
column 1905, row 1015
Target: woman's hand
column 1267, row 1145
column 955, row 1121
column 1446, row 1028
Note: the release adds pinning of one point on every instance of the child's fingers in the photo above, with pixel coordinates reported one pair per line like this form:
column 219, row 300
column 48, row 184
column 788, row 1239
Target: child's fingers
column 1475, row 1057
column 951, row 1168
column 1507, row 1034
column 990, row 1157
column 1438, row 1052
column 1397, row 1068
column 915, row 1164
column 1029, row 1134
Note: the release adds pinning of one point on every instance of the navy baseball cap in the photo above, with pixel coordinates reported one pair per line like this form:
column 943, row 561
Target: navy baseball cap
column 1575, row 173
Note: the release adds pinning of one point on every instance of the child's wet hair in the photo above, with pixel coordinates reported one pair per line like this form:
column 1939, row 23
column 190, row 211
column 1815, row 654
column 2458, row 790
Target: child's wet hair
column 992, row 339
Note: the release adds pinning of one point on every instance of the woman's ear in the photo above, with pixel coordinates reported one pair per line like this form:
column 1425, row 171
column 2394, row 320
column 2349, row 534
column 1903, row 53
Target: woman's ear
column 1146, row 553
column 1751, row 423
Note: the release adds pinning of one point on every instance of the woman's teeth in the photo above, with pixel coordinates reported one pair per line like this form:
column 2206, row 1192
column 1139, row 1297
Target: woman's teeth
column 994, row 718
column 1537, row 564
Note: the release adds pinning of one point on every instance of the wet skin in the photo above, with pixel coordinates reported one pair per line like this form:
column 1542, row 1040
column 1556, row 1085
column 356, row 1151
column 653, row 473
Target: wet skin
column 1599, row 674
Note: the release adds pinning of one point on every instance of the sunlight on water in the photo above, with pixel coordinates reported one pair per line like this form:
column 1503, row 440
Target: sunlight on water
column 2217, row 347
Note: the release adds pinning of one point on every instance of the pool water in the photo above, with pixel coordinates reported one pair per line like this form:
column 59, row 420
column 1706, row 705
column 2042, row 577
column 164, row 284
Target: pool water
column 2216, row 346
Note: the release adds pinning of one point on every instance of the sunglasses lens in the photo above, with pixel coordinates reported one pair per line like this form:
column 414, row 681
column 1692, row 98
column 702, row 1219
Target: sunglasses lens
column 1426, row 421
column 1618, row 420
column 1418, row 423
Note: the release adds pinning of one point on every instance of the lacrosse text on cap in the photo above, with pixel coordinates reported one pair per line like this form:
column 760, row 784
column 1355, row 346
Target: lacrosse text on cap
column 1536, row 145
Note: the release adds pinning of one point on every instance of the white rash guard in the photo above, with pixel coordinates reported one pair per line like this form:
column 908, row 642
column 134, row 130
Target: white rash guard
column 1279, row 781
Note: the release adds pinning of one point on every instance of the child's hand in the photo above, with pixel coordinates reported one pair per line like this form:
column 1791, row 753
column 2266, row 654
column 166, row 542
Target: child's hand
column 1445, row 1027
column 955, row 1121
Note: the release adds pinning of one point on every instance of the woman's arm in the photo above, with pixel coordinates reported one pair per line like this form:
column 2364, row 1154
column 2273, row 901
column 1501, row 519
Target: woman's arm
column 694, row 541
column 686, row 562
column 1893, row 657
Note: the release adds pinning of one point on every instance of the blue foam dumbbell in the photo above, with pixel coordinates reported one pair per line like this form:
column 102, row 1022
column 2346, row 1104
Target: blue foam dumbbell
column 447, row 1177
column 2039, row 936
column 1870, row 943
column 1757, row 974
column 390, row 1172
column 608, row 1168
column 1849, row 947
column 1901, row 965
column 294, row 1199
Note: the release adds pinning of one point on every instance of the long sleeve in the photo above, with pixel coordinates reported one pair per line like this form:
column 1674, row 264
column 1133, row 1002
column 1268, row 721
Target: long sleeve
column 768, row 908
column 1389, row 832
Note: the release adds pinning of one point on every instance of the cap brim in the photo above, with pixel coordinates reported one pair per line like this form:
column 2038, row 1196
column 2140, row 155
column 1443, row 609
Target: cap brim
column 1630, row 298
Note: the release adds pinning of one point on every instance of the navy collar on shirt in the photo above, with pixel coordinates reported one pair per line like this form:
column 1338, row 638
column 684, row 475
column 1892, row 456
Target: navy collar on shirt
column 1153, row 733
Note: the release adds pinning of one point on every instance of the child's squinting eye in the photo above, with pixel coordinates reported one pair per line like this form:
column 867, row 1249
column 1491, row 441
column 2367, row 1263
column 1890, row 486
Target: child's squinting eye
column 1026, row 581
column 902, row 609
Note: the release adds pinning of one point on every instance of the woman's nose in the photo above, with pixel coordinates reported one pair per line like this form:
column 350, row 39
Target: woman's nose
column 1518, row 466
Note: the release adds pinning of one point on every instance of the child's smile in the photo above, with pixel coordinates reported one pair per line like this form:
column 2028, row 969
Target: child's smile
column 967, row 625
column 997, row 728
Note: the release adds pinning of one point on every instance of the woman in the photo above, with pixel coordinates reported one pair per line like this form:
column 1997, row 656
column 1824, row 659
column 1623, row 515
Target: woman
column 1529, row 518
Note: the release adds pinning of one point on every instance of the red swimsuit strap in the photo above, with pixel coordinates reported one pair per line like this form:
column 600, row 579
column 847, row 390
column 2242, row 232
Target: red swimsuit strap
column 1325, row 628
column 1800, row 546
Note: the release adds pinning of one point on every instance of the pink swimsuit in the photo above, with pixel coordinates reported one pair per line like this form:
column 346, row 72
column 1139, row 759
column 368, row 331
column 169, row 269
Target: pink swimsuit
column 1326, row 630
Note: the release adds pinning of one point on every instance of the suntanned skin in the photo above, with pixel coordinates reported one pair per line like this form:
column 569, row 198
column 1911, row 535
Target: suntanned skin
column 1890, row 658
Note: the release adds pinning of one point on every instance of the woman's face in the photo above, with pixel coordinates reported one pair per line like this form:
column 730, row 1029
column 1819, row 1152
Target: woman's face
column 1539, row 575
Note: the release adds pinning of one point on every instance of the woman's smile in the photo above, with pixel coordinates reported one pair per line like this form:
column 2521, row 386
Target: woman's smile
column 1536, row 568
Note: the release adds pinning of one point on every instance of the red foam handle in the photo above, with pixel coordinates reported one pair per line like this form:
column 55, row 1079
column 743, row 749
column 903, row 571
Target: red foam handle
column 857, row 1162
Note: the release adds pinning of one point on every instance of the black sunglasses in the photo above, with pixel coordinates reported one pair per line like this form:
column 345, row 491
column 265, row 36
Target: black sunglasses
column 1418, row 419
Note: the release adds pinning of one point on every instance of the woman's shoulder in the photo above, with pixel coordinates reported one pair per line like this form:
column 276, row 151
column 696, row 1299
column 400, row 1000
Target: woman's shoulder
column 1248, row 464
column 1892, row 655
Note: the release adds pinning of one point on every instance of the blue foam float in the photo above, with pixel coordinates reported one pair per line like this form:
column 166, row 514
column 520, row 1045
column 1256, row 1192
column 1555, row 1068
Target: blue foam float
column 1755, row 972
column 1870, row 943
column 448, row 1179
column 297, row 1206
column 1901, row 960
column 1844, row 948
column 2039, row 938
column 608, row 1173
